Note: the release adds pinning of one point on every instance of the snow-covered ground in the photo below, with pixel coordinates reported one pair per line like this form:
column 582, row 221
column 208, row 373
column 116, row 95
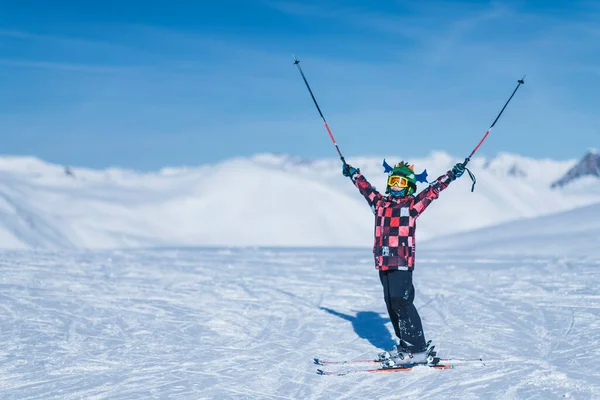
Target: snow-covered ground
column 277, row 201
column 570, row 233
column 233, row 323
column 238, row 321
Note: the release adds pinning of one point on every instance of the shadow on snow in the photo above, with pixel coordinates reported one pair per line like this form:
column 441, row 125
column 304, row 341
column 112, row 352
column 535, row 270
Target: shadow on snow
column 368, row 325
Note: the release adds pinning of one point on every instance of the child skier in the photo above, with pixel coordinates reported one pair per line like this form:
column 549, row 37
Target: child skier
column 394, row 251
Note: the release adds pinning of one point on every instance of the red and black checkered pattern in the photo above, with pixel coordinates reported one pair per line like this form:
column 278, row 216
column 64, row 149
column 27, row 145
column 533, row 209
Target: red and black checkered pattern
column 395, row 222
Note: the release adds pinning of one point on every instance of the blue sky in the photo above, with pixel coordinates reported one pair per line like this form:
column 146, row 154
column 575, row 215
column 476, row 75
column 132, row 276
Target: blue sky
column 147, row 84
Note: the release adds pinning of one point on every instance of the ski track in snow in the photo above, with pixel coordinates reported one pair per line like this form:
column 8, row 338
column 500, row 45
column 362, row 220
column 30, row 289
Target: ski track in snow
column 246, row 323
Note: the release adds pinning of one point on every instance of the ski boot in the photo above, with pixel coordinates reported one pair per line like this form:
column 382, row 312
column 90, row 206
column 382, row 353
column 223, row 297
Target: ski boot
column 396, row 351
column 407, row 358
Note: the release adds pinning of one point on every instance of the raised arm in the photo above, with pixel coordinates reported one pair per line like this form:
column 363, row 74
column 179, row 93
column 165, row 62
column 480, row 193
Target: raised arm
column 432, row 192
column 369, row 192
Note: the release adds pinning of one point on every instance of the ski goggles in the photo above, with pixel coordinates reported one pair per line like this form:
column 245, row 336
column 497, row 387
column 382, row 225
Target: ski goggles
column 399, row 181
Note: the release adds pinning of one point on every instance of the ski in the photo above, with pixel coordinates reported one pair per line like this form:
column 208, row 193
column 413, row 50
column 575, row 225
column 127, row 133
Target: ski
column 463, row 360
column 433, row 362
column 323, row 362
column 381, row 370
column 380, row 357
column 319, row 361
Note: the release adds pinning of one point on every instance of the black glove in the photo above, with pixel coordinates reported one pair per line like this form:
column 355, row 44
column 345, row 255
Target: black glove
column 457, row 171
column 349, row 171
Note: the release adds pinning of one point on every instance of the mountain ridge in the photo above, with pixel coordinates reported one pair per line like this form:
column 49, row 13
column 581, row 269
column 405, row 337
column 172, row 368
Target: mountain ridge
column 589, row 165
column 263, row 200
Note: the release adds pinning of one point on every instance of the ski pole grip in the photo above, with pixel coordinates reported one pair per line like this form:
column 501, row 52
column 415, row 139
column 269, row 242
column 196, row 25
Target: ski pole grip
column 464, row 164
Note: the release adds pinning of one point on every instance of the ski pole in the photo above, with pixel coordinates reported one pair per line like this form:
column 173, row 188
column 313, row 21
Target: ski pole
column 297, row 63
column 520, row 82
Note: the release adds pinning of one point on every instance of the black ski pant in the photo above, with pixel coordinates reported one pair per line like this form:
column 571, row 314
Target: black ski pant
column 399, row 294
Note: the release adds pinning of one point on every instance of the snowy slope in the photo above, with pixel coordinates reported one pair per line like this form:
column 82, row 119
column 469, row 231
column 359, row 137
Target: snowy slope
column 237, row 323
column 568, row 233
column 277, row 201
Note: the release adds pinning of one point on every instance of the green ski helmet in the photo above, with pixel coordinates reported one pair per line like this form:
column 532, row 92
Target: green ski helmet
column 404, row 175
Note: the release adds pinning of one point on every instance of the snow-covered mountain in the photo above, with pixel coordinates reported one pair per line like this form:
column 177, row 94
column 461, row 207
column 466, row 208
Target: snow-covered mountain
column 265, row 200
column 589, row 165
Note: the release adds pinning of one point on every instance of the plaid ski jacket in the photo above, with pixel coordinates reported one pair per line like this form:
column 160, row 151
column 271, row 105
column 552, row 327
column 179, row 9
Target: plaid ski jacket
column 395, row 222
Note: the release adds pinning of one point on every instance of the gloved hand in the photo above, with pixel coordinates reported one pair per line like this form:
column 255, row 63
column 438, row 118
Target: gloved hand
column 457, row 171
column 349, row 170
